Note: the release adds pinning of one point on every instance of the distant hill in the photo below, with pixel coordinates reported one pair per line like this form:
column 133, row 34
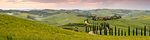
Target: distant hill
column 50, row 16
column 62, row 19
column 123, row 23
column 14, row 28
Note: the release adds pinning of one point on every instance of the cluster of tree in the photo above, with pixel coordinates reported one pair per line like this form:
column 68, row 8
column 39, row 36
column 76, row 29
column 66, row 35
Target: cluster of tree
column 99, row 27
column 31, row 17
column 105, row 25
column 106, row 18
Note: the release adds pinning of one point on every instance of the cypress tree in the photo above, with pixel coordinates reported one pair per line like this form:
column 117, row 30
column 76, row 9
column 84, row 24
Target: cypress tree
column 100, row 29
column 118, row 31
column 109, row 32
column 145, row 31
column 90, row 28
column 107, row 25
column 136, row 32
column 105, row 32
column 149, row 31
column 141, row 32
column 125, row 34
column 121, row 32
column 93, row 29
column 129, row 31
column 115, row 31
column 97, row 29
column 112, row 31
column 133, row 32
column 86, row 28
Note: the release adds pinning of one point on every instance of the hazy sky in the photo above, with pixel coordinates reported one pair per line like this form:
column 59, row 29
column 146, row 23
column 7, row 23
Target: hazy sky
column 75, row 4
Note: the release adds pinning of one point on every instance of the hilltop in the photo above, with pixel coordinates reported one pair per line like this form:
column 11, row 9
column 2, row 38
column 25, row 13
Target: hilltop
column 62, row 19
column 22, row 29
column 14, row 28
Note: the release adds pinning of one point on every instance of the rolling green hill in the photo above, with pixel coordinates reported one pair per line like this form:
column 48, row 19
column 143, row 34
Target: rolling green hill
column 50, row 16
column 122, row 23
column 22, row 29
column 123, row 12
column 138, row 22
column 62, row 19
column 13, row 28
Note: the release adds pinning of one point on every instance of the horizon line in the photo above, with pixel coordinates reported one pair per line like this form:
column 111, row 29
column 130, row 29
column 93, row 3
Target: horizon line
column 68, row 9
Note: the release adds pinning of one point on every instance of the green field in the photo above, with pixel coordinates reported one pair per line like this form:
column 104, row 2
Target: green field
column 62, row 19
column 13, row 28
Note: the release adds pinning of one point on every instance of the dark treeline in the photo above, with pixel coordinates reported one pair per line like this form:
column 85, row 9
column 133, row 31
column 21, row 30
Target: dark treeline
column 100, row 30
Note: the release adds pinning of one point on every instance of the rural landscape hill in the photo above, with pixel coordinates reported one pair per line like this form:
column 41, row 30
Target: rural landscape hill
column 14, row 28
column 48, row 15
column 63, row 18
column 75, row 20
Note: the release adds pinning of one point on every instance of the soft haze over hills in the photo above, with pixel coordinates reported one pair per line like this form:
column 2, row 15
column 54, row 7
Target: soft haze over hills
column 75, row 4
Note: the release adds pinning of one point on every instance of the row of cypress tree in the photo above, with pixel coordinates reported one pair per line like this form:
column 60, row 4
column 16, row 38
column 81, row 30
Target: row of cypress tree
column 98, row 29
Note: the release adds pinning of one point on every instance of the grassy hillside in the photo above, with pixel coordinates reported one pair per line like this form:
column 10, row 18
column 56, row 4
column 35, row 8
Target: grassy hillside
column 122, row 23
column 62, row 19
column 139, row 22
column 21, row 29
column 13, row 28
column 122, row 12
column 49, row 16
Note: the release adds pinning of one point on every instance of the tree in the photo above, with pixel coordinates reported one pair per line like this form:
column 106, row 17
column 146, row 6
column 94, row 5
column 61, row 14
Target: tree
column 97, row 29
column 129, row 31
column 125, row 33
column 100, row 29
column 149, row 31
column 145, row 31
column 112, row 31
column 109, row 32
column 86, row 28
column 133, row 32
column 93, row 28
column 90, row 28
column 115, row 31
column 30, row 17
column 121, row 32
column 105, row 32
column 141, row 32
column 118, row 31
column 107, row 25
column 136, row 32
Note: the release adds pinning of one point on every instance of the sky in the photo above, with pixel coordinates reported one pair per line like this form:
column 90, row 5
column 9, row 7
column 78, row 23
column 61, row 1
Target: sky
column 75, row 4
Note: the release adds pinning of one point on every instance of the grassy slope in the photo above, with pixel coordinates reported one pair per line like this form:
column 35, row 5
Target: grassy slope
column 22, row 29
column 63, row 18
column 124, row 13
column 139, row 23
column 133, row 22
column 123, row 23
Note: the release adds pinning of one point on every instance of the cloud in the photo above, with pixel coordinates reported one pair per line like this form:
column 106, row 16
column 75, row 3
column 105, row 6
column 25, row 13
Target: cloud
column 75, row 4
column 45, row 1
